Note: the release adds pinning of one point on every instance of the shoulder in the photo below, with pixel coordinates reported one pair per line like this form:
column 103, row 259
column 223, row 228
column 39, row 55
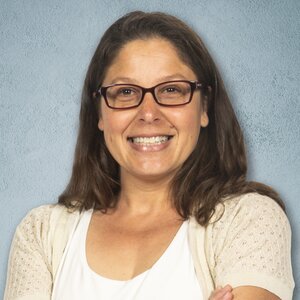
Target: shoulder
column 41, row 223
column 42, row 216
column 249, row 218
column 246, row 243
column 39, row 214
column 47, row 228
column 251, row 206
column 254, row 200
column 36, row 220
column 250, row 238
column 46, row 213
column 36, row 251
column 251, row 200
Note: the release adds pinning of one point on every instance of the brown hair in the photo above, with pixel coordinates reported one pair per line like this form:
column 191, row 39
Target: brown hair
column 215, row 169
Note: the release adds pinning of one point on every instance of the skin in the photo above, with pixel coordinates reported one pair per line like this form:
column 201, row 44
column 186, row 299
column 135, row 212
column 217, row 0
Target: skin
column 220, row 293
column 128, row 240
column 132, row 237
column 147, row 67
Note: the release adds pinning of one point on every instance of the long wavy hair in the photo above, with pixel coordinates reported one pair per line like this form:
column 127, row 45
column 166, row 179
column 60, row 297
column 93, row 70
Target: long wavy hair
column 217, row 167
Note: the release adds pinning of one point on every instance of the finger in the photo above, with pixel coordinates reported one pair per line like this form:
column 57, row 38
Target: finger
column 227, row 296
column 227, row 288
column 219, row 293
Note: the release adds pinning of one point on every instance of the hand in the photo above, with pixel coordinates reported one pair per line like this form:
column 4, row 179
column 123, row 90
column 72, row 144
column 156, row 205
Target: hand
column 220, row 293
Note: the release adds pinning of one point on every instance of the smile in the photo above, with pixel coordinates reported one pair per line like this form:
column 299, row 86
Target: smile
column 153, row 140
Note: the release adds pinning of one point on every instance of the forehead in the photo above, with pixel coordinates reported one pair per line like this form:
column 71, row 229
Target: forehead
column 148, row 61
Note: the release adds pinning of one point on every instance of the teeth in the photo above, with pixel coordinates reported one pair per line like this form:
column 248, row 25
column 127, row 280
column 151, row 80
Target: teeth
column 154, row 140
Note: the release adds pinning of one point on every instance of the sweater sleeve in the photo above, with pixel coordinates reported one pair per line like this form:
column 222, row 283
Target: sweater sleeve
column 252, row 246
column 29, row 273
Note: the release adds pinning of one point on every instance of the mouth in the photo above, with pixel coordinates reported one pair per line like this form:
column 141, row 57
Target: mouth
column 152, row 140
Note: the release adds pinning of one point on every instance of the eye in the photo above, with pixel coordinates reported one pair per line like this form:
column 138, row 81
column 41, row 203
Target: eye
column 171, row 89
column 125, row 91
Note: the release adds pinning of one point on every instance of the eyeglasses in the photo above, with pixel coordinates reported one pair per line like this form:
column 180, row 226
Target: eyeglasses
column 169, row 93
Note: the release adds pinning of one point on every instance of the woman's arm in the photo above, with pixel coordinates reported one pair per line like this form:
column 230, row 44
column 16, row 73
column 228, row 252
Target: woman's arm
column 29, row 271
column 252, row 249
column 252, row 292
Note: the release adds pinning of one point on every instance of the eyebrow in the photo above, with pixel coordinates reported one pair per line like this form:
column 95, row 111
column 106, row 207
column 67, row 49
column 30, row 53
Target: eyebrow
column 176, row 76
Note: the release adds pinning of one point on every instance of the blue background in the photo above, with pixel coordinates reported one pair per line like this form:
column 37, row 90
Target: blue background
column 45, row 48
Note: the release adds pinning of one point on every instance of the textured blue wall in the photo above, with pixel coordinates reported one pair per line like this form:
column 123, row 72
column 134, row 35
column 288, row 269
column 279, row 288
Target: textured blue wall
column 45, row 47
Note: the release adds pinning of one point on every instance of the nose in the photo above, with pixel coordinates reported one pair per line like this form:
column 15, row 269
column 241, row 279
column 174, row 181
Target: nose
column 149, row 110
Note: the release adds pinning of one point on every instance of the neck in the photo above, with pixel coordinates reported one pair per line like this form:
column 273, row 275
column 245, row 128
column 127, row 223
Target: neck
column 140, row 197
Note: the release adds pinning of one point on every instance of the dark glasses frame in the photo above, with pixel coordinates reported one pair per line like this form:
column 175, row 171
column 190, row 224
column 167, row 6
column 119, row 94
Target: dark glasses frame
column 101, row 91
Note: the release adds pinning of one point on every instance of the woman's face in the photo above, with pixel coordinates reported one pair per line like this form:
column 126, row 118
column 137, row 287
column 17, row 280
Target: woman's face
column 176, row 129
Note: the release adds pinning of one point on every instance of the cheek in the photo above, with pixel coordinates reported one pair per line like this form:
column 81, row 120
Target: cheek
column 113, row 124
column 110, row 130
column 191, row 125
column 189, row 121
column 194, row 132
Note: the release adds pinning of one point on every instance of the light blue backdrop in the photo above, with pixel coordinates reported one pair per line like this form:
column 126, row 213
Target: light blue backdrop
column 45, row 47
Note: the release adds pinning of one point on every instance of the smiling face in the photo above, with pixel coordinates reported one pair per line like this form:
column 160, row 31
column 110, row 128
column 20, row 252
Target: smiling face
column 151, row 141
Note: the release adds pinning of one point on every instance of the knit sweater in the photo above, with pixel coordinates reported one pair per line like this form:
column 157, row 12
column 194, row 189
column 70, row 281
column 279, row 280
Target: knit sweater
column 247, row 242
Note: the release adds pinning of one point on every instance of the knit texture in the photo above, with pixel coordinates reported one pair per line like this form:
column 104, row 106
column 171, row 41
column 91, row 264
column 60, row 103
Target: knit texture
column 29, row 271
column 249, row 244
column 252, row 245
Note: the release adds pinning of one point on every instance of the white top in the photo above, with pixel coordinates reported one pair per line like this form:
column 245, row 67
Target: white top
column 247, row 242
column 171, row 277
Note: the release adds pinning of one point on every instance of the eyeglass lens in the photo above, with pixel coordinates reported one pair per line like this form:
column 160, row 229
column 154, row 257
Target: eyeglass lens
column 169, row 93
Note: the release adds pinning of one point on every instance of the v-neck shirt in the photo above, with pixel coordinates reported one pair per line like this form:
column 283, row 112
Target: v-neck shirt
column 171, row 277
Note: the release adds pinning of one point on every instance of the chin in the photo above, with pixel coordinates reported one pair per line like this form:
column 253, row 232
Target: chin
column 155, row 174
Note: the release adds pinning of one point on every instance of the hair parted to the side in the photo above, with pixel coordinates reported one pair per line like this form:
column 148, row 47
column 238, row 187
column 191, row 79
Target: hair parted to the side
column 217, row 167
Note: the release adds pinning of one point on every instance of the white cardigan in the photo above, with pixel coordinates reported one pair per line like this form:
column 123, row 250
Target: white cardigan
column 247, row 242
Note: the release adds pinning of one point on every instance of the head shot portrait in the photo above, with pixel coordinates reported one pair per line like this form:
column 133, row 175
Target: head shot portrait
column 159, row 149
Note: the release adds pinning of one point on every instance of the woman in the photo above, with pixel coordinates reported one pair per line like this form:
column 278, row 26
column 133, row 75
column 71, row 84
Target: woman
column 158, row 206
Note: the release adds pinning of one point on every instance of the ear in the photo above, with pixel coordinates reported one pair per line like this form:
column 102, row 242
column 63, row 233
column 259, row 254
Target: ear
column 100, row 124
column 204, row 119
